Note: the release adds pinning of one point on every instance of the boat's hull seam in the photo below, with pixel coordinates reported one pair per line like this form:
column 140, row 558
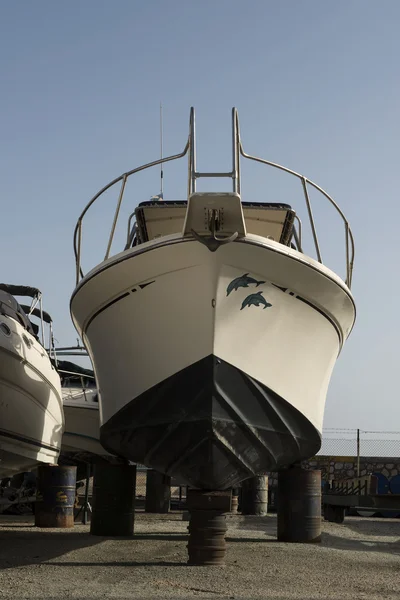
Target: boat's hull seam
column 27, row 440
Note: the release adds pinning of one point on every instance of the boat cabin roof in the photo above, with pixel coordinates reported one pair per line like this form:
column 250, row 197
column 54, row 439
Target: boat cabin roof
column 37, row 313
column 20, row 290
column 157, row 218
column 10, row 307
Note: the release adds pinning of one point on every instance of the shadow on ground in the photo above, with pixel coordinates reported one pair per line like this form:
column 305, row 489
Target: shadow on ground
column 23, row 544
column 367, row 543
column 374, row 526
column 131, row 563
column 355, row 534
column 20, row 547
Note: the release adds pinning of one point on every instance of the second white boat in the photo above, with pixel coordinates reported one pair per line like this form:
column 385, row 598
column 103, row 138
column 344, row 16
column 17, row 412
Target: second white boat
column 31, row 413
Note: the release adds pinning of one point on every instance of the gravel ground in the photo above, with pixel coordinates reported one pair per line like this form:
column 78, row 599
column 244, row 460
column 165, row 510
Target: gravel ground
column 359, row 559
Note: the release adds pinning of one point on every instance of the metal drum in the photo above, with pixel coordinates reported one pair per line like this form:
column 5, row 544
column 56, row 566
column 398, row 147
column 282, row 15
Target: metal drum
column 395, row 484
column 383, row 487
column 299, row 505
column 207, row 525
column 158, row 492
column 113, row 500
column 235, row 501
column 383, row 483
column 55, row 496
column 255, row 496
column 207, row 545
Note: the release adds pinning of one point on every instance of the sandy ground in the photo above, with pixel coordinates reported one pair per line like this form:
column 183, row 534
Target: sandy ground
column 359, row 559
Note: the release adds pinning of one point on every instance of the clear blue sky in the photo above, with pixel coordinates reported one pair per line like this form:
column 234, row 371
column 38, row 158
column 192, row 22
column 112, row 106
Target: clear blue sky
column 317, row 87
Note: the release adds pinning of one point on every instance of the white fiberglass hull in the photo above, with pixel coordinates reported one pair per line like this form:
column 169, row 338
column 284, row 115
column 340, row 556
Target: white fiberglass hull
column 82, row 424
column 31, row 415
column 212, row 365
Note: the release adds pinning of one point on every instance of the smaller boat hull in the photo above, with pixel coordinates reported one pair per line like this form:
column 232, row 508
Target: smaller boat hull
column 82, row 427
column 203, row 425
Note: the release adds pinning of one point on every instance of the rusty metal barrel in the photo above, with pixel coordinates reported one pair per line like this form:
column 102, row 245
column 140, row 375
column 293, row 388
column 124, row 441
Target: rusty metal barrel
column 255, row 496
column 113, row 511
column 299, row 505
column 55, row 496
column 207, row 545
column 158, row 492
column 207, row 526
column 235, row 501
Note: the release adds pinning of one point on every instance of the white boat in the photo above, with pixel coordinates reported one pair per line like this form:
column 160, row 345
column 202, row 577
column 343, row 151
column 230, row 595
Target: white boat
column 81, row 438
column 213, row 336
column 31, row 414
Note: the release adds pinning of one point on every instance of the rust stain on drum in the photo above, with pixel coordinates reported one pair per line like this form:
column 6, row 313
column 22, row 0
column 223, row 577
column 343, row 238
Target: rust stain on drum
column 55, row 497
column 207, row 545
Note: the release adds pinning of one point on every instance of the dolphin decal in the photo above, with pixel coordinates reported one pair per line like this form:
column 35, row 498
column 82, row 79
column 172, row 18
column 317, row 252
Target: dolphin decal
column 242, row 281
column 255, row 300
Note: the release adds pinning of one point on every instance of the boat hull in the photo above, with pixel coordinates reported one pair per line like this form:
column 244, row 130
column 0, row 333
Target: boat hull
column 82, row 426
column 223, row 358
column 212, row 425
column 31, row 415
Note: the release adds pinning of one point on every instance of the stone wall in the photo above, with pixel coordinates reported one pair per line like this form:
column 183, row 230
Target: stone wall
column 344, row 467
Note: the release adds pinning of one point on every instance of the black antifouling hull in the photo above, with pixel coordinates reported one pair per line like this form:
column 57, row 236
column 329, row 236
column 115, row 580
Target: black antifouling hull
column 212, row 426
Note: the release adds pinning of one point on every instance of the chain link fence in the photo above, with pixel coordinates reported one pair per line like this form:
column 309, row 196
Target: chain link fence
column 344, row 453
column 353, row 444
column 360, row 443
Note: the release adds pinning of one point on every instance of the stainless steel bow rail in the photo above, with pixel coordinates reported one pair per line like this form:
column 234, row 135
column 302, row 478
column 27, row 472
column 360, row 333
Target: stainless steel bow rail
column 75, row 375
column 234, row 174
column 77, row 350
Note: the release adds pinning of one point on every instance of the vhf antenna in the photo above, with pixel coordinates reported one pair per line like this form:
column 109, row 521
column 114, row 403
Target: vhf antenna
column 161, row 144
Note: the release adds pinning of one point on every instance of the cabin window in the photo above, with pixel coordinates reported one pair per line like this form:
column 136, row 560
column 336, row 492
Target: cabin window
column 27, row 341
column 5, row 330
column 273, row 221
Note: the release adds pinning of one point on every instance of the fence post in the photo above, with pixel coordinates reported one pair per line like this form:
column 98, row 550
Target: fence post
column 358, row 453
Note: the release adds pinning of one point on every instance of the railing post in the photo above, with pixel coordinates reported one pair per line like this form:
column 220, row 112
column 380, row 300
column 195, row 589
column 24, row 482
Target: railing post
column 42, row 322
column 310, row 215
column 128, row 235
column 358, row 453
column 298, row 236
column 192, row 154
column 121, row 195
column 52, row 345
column 78, row 258
column 235, row 152
column 348, row 281
column 351, row 258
